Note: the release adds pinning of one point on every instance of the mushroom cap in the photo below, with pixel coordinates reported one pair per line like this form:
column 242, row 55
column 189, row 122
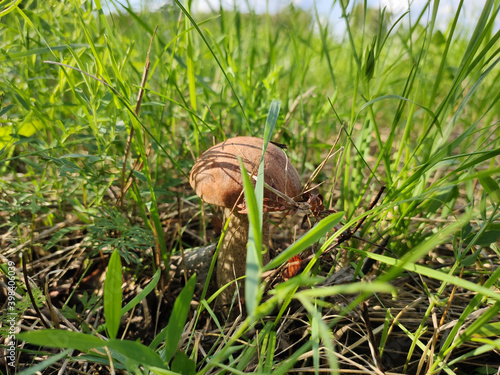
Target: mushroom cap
column 216, row 175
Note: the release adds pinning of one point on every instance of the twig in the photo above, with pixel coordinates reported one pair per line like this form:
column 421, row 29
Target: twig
column 323, row 163
column 349, row 233
column 437, row 331
column 371, row 337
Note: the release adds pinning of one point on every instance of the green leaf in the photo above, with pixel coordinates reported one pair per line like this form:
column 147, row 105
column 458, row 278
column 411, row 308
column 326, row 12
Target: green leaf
column 270, row 345
column 466, row 335
column 160, row 371
column 254, row 199
column 491, row 187
column 113, row 294
column 58, row 338
column 95, row 357
column 9, row 57
column 419, row 251
column 190, row 68
column 488, row 330
column 36, row 369
column 251, row 351
column 435, row 274
column 254, row 245
column 489, row 346
column 230, row 83
column 74, row 155
column 173, row 331
column 138, row 298
column 57, row 236
column 320, row 331
column 398, row 97
column 471, row 259
column 354, row 288
column 482, row 156
column 487, row 238
column 369, row 66
column 7, row 8
column 272, row 117
column 6, row 109
column 183, row 364
column 137, row 352
column 311, row 237
column 472, row 306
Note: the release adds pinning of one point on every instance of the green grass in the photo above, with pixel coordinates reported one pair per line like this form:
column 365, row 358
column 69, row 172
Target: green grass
column 416, row 108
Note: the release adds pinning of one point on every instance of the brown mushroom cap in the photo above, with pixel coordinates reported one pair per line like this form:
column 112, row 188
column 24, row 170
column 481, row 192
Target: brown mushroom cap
column 216, row 175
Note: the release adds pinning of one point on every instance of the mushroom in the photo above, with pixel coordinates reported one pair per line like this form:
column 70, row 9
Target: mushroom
column 216, row 179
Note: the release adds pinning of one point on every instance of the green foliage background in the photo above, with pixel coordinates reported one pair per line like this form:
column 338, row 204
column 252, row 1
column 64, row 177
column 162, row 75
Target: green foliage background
column 416, row 108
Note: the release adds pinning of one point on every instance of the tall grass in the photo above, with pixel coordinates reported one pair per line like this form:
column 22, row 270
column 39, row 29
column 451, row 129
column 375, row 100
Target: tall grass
column 416, row 107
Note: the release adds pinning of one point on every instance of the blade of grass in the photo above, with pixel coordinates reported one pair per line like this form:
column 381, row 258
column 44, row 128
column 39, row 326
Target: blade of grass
column 254, row 245
column 173, row 331
column 254, row 199
column 429, row 272
column 193, row 22
column 311, row 237
column 113, row 294
column 36, row 369
column 56, row 338
column 142, row 294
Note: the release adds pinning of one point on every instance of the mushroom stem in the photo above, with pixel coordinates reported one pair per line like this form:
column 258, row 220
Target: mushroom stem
column 231, row 261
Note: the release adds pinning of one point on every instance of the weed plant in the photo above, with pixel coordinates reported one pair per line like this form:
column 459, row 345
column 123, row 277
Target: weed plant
column 104, row 108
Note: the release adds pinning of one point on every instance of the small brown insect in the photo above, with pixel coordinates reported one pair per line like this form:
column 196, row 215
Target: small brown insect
column 293, row 267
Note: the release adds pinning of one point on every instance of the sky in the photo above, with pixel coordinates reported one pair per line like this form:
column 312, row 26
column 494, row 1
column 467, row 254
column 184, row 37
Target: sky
column 447, row 8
